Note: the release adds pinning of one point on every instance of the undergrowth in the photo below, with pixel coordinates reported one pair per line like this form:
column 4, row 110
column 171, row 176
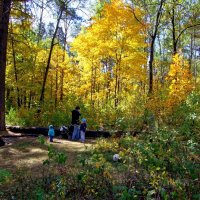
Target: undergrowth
column 158, row 165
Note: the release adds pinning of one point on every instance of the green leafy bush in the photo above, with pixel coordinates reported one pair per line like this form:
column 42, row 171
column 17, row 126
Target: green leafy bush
column 13, row 118
column 5, row 176
column 55, row 156
column 42, row 139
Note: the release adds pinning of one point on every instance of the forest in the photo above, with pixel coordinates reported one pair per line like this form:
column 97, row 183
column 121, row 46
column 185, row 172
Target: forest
column 133, row 68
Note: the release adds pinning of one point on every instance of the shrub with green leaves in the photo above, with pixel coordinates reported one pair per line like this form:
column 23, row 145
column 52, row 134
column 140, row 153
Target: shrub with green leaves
column 55, row 156
column 5, row 176
column 163, row 165
column 42, row 139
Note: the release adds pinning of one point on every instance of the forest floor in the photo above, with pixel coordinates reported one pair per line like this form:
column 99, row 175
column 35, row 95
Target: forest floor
column 29, row 153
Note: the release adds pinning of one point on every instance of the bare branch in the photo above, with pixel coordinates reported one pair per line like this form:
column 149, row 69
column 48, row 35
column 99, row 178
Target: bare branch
column 191, row 26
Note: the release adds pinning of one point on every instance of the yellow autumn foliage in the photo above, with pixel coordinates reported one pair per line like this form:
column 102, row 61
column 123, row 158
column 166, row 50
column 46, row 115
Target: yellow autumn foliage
column 178, row 84
column 111, row 52
column 180, row 81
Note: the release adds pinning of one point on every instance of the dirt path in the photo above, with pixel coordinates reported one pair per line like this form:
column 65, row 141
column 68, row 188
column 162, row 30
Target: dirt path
column 27, row 152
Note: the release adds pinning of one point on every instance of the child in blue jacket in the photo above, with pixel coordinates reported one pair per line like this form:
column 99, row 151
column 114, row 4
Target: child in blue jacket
column 51, row 133
column 83, row 129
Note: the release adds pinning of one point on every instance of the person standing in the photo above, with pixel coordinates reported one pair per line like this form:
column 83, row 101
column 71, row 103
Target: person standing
column 51, row 133
column 83, row 129
column 75, row 123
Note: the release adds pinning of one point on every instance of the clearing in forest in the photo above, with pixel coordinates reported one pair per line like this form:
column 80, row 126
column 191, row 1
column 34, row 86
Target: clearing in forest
column 28, row 152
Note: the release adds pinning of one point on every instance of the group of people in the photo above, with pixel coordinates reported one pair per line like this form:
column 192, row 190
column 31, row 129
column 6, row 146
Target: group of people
column 79, row 128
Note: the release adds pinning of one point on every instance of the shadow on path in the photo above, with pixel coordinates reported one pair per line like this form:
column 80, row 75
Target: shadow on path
column 27, row 152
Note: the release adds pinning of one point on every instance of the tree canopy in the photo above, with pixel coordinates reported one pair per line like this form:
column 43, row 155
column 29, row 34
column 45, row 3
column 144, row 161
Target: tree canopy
column 124, row 59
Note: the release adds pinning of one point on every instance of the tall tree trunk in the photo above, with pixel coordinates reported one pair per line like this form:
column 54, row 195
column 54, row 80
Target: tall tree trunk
column 62, row 71
column 56, row 89
column 39, row 37
column 174, row 30
column 153, row 38
column 162, row 59
column 195, row 57
column 91, row 89
column 15, row 68
column 49, row 58
column 5, row 6
column 116, row 81
column 51, row 93
column 61, row 85
column 191, row 48
column 108, row 71
column 30, row 99
column 24, row 98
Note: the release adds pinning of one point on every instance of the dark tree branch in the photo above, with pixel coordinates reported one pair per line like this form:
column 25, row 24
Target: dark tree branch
column 153, row 38
column 191, row 26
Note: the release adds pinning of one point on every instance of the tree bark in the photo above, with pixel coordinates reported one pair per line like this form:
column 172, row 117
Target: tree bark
column 15, row 68
column 61, row 85
column 49, row 58
column 116, row 81
column 91, row 89
column 40, row 23
column 56, row 89
column 62, row 71
column 191, row 48
column 30, row 99
column 153, row 38
column 5, row 6
column 174, row 31
column 183, row 31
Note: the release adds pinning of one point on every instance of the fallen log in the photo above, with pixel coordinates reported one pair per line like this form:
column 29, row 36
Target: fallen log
column 36, row 131
column 2, row 143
